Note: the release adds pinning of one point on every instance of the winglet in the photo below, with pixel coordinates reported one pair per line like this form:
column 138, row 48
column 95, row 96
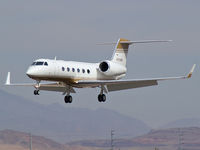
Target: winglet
column 191, row 71
column 8, row 79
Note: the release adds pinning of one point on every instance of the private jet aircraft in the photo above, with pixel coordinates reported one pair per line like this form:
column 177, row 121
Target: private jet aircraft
column 65, row 76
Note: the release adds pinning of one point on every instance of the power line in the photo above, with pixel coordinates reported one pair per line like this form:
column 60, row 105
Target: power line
column 180, row 139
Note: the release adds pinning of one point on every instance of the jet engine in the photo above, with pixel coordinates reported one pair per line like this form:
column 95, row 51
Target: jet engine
column 110, row 68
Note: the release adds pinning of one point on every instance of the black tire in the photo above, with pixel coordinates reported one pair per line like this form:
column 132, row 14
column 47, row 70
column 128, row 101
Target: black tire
column 66, row 99
column 36, row 92
column 70, row 99
column 100, row 98
column 103, row 97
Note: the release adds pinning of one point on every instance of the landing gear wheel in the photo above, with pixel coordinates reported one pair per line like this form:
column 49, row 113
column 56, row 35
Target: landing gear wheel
column 101, row 97
column 36, row 92
column 68, row 99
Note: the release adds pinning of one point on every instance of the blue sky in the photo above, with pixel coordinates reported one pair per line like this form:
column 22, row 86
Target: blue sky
column 70, row 30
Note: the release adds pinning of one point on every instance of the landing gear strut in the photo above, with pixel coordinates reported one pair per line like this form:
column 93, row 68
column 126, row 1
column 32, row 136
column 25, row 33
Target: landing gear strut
column 101, row 97
column 37, row 91
column 68, row 99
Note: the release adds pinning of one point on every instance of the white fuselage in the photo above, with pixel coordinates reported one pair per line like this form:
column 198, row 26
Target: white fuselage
column 68, row 71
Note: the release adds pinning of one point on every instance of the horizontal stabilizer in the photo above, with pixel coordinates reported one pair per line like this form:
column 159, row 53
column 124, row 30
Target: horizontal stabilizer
column 145, row 41
column 135, row 42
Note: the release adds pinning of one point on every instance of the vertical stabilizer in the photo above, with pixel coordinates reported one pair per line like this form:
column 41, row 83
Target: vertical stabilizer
column 121, row 52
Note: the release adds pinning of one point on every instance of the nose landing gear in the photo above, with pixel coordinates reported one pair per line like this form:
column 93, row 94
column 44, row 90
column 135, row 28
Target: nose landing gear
column 36, row 92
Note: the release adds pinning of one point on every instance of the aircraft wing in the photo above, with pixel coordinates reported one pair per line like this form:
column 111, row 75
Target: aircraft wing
column 107, row 85
column 116, row 85
column 55, row 86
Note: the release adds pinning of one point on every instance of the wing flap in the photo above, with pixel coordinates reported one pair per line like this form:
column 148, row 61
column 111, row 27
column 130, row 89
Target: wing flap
column 130, row 85
column 119, row 84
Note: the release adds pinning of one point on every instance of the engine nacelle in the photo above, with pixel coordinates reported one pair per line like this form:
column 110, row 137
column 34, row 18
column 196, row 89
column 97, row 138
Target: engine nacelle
column 110, row 68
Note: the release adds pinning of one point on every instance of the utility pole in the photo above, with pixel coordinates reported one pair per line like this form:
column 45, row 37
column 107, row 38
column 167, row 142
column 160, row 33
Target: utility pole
column 30, row 141
column 112, row 140
column 180, row 139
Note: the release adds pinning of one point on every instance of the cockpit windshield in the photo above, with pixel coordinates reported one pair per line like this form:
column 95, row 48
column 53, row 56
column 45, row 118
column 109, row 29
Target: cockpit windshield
column 39, row 63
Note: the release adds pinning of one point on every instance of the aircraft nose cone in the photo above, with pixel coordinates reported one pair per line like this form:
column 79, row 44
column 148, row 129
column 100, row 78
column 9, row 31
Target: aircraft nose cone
column 30, row 72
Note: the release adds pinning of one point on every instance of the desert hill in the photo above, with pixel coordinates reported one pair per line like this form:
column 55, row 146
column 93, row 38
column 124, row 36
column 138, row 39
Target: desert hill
column 64, row 123
column 21, row 139
column 164, row 138
column 10, row 139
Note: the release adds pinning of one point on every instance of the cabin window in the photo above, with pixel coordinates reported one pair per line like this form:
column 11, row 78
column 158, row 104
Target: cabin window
column 68, row 69
column 78, row 70
column 83, row 70
column 88, row 71
column 46, row 64
column 39, row 63
column 73, row 69
column 63, row 68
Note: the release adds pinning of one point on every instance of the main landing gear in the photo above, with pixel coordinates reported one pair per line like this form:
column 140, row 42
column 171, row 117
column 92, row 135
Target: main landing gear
column 101, row 97
column 68, row 99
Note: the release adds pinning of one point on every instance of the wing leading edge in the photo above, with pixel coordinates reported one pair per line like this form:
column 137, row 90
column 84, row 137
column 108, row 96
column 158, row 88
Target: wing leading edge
column 113, row 85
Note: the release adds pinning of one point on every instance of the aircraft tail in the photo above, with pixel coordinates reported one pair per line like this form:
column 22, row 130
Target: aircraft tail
column 121, row 49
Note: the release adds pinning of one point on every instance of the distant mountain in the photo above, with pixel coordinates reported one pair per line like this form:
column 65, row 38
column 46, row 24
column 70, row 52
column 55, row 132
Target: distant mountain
column 164, row 138
column 10, row 139
column 190, row 135
column 188, row 122
column 64, row 124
